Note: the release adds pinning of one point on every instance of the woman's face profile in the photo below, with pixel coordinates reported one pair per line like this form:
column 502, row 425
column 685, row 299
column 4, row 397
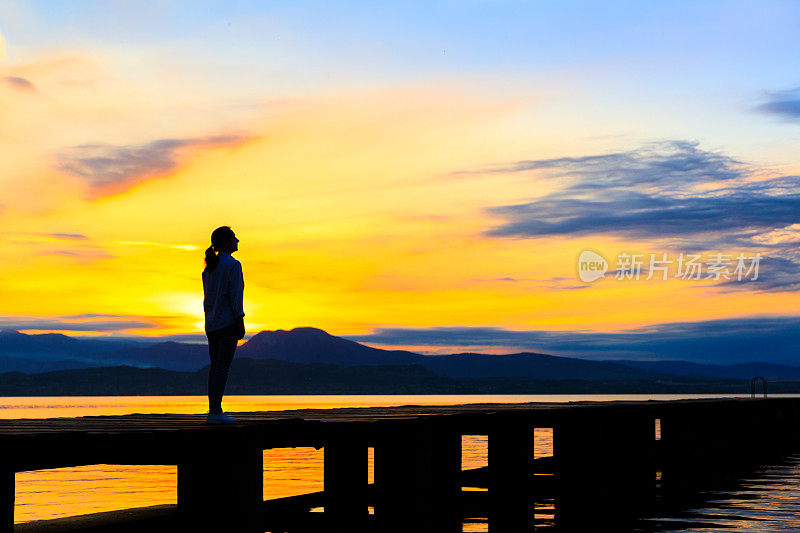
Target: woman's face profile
column 230, row 244
column 233, row 243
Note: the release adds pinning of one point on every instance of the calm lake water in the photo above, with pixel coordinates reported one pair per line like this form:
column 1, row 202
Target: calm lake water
column 770, row 501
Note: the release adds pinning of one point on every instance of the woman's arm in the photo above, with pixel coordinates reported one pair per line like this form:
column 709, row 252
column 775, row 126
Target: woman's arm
column 236, row 291
column 240, row 326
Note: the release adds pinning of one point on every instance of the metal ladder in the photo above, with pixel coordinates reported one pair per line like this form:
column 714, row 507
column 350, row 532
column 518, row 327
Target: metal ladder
column 753, row 386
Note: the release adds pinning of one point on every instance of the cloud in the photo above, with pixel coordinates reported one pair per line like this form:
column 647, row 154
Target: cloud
column 51, row 235
column 79, row 236
column 79, row 254
column 648, row 192
column 509, row 279
column 22, row 84
column 643, row 216
column 668, row 164
column 187, row 338
column 90, row 315
column 108, row 169
column 675, row 193
column 775, row 274
column 723, row 341
column 555, row 282
column 184, row 247
column 784, row 104
column 107, row 323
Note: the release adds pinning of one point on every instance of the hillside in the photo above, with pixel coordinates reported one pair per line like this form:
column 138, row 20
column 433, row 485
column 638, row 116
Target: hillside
column 249, row 376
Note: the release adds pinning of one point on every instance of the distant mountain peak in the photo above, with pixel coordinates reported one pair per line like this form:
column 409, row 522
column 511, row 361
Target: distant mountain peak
column 13, row 336
column 307, row 344
column 310, row 330
column 302, row 332
column 296, row 331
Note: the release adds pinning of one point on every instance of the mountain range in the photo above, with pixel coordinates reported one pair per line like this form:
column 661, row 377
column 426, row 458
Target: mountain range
column 46, row 353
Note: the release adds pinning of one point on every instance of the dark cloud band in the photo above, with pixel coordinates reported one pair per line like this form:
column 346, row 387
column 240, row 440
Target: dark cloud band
column 64, row 325
column 725, row 341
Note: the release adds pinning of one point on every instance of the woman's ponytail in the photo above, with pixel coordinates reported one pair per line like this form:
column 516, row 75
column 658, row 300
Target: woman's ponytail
column 212, row 259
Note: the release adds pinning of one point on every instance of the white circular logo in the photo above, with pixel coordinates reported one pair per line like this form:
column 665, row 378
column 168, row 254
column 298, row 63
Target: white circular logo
column 591, row 266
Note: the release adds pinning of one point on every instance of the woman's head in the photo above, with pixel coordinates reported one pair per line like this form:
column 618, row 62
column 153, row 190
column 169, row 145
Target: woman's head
column 223, row 239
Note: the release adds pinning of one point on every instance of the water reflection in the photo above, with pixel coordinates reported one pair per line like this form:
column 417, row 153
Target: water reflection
column 766, row 501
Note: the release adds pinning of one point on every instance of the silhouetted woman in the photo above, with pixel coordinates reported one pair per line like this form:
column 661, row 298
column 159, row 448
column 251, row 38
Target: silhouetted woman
column 223, row 291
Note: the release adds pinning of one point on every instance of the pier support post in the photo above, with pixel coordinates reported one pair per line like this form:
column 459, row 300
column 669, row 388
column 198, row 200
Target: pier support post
column 606, row 470
column 576, row 450
column 445, row 469
column 8, row 495
column 221, row 487
column 629, row 461
column 346, row 479
column 510, row 455
column 416, row 478
column 701, row 442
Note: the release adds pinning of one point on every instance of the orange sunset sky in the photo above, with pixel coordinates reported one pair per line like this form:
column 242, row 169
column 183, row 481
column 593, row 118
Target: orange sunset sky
column 422, row 168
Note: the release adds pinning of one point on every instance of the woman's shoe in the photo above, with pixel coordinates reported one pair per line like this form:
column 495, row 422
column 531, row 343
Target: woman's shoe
column 220, row 418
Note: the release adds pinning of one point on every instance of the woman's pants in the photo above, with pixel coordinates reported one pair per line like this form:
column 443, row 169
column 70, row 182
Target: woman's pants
column 221, row 345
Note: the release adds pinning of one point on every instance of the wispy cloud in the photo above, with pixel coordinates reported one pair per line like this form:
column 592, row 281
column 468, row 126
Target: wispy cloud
column 776, row 274
column 555, row 282
column 737, row 218
column 673, row 193
column 187, row 338
column 23, row 84
column 650, row 192
column 78, row 236
column 109, row 169
column 668, row 164
column 184, row 247
column 724, row 341
column 784, row 104
column 87, row 323
column 505, row 279
column 79, row 254
column 84, row 316
column 48, row 235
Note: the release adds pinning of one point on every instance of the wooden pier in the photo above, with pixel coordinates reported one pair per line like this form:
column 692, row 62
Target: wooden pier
column 604, row 454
